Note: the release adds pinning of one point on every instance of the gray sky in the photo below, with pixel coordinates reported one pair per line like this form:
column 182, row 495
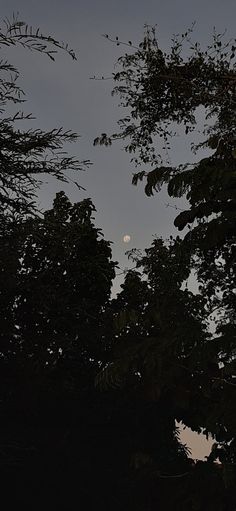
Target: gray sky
column 62, row 94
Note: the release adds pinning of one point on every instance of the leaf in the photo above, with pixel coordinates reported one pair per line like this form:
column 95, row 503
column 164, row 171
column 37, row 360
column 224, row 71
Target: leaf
column 156, row 178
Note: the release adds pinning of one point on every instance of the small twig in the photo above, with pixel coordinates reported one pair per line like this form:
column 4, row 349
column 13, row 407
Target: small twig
column 167, row 205
column 118, row 42
column 101, row 78
column 126, row 271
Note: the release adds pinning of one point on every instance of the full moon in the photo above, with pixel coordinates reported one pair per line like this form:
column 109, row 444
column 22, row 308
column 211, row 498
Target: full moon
column 126, row 238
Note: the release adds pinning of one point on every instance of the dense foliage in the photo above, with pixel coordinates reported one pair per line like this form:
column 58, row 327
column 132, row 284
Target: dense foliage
column 184, row 341
column 56, row 275
column 61, row 277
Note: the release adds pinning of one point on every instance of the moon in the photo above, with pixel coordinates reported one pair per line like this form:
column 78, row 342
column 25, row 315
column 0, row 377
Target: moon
column 126, row 238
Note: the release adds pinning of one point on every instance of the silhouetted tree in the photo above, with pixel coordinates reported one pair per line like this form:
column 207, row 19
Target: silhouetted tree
column 25, row 154
column 161, row 91
column 57, row 281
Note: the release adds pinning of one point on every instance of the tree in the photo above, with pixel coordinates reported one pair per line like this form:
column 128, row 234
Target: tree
column 62, row 273
column 25, row 154
column 164, row 90
column 160, row 367
column 161, row 91
column 57, row 274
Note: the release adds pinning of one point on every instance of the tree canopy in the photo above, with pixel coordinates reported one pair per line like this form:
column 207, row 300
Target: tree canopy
column 27, row 153
column 163, row 90
column 184, row 338
column 61, row 276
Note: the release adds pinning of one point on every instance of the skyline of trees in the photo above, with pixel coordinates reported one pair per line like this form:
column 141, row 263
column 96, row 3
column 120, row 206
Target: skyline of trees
column 92, row 387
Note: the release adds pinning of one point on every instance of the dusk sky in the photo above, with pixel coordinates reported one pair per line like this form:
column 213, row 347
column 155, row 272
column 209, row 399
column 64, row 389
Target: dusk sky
column 62, row 94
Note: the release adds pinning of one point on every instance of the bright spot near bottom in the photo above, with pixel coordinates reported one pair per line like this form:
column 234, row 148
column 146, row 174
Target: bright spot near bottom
column 126, row 238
